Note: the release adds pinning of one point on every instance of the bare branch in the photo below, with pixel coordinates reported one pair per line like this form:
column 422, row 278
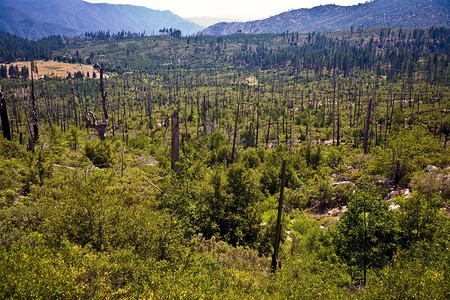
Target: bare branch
column 154, row 185
column 101, row 128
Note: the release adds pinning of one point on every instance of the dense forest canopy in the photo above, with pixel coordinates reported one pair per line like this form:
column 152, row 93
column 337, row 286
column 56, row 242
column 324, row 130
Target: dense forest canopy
column 161, row 177
column 13, row 47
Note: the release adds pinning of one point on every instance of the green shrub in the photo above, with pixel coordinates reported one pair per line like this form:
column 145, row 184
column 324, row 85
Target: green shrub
column 99, row 153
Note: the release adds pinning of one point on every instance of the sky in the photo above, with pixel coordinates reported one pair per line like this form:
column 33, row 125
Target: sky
column 239, row 9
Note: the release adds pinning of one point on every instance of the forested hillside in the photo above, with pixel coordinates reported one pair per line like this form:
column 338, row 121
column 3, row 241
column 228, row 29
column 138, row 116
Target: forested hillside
column 16, row 21
column 164, row 176
column 13, row 48
column 326, row 18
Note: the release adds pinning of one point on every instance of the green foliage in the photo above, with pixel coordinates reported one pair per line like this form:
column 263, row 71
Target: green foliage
column 232, row 206
column 410, row 279
column 220, row 155
column 432, row 182
column 19, row 222
column 40, row 167
column 406, row 151
column 270, row 179
column 335, row 156
column 313, row 155
column 33, row 272
column 268, row 230
column 310, row 238
column 250, row 158
column 297, row 198
column 74, row 138
column 140, row 142
column 55, row 139
column 130, row 227
column 422, row 224
column 365, row 236
column 99, row 153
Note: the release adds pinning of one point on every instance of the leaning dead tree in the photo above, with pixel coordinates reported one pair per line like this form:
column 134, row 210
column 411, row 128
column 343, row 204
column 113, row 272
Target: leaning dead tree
column 276, row 246
column 101, row 128
column 4, row 115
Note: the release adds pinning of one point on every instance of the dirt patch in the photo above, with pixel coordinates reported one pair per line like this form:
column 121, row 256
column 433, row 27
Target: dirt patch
column 251, row 80
column 56, row 69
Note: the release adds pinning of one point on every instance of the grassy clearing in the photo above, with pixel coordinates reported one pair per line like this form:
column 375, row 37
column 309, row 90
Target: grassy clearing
column 56, row 69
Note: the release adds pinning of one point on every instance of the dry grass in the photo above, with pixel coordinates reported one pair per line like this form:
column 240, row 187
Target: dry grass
column 57, row 69
column 252, row 80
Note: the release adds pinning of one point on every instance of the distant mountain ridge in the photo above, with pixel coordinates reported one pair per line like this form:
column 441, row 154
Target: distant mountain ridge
column 208, row 21
column 395, row 13
column 37, row 19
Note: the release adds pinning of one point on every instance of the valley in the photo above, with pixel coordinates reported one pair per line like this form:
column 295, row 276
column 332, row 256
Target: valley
column 188, row 161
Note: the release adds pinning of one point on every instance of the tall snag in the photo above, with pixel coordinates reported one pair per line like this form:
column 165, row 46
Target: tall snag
column 149, row 109
column 175, row 151
column 72, row 90
column 34, row 106
column 101, row 128
column 4, row 115
column 367, row 125
column 233, row 153
column 276, row 245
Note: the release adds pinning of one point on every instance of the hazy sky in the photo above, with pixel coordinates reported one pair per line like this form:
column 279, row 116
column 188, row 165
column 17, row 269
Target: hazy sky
column 243, row 9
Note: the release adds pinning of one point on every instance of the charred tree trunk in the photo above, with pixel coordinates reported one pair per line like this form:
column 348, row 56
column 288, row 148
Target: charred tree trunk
column 367, row 128
column 101, row 128
column 149, row 108
column 276, row 245
column 34, row 107
column 334, row 107
column 204, row 114
column 233, row 152
column 186, row 128
column 74, row 104
column 4, row 115
column 175, row 151
column 268, row 131
column 338, row 123
column 257, row 128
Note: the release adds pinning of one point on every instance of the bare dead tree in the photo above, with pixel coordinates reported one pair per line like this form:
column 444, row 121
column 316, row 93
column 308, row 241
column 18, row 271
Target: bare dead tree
column 47, row 107
column 204, row 114
column 367, row 127
column 4, row 115
column 334, row 106
column 34, row 106
column 175, row 150
column 258, row 111
column 101, row 128
column 149, row 108
column 276, row 245
column 338, row 122
column 233, row 153
column 74, row 104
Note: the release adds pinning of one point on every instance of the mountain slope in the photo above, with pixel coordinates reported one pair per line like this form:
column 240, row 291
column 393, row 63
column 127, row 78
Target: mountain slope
column 395, row 13
column 79, row 16
column 18, row 22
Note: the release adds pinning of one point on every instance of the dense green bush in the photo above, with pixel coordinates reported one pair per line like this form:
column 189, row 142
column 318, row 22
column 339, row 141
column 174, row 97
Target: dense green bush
column 365, row 236
column 99, row 153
